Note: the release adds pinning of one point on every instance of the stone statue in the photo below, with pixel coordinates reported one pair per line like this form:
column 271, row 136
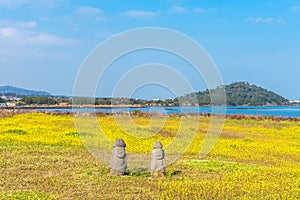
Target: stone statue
column 158, row 163
column 118, row 162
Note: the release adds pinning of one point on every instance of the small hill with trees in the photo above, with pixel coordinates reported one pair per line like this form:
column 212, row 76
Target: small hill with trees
column 238, row 93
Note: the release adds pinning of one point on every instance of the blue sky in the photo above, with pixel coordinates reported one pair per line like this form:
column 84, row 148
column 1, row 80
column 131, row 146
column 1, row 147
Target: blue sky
column 44, row 42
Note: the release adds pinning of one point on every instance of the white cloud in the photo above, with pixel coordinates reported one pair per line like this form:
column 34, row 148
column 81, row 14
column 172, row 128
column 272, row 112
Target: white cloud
column 13, row 3
column 177, row 9
column 199, row 10
column 25, row 24
column 7, row 33
column 180, row 10
column 48, row 39
column 29, row 24
column 295, row 8
column 256, row 20
column 17, row 33
column 18, row 37
column 90, row 12
column 140, row 14
column 50, row 3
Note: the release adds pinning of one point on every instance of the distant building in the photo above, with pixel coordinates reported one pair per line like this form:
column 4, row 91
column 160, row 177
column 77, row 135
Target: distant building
column 63, row 104
column 10, row 98
column 295, row 101
column 3, row 104
column 13, row 104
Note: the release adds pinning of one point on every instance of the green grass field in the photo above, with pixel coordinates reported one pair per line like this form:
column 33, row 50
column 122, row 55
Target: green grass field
column 42, row 157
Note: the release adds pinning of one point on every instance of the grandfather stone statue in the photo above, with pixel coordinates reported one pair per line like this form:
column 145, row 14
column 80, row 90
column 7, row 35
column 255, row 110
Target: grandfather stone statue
column 119, row 157
column 158, row 163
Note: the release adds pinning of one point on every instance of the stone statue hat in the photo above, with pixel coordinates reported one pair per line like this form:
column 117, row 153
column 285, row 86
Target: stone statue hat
column 157, row 145
column 119, row 143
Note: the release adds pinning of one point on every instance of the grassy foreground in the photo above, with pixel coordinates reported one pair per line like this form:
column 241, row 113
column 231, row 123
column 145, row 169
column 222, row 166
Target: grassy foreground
column 42, row 157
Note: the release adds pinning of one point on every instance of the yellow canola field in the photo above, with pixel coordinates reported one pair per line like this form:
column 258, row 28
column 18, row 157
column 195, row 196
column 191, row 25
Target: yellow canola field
column 43, row 157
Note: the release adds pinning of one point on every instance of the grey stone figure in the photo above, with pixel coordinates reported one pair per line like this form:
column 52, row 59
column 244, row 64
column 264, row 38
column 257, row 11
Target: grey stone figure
column 118, row 163
column 158, row 163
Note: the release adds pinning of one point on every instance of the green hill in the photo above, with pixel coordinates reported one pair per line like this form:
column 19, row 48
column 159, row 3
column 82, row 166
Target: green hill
column 238, row 93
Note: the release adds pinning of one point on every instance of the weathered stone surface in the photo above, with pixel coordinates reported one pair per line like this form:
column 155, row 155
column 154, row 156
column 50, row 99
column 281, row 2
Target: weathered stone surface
column 118, row 163
column 158, row 163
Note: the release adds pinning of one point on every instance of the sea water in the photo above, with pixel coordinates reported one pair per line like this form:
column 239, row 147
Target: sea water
column 277, row 111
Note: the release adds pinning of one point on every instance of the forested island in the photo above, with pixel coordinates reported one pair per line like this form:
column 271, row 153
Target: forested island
column 238, row 93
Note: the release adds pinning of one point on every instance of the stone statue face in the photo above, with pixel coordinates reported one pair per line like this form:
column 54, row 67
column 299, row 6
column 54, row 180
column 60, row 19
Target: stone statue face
column 119, row 152
column 159, row 153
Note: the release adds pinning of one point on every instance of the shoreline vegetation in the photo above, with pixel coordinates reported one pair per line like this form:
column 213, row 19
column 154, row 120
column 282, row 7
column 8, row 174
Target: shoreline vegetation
column 138, row 113
column 70, row 106
column 117, row 106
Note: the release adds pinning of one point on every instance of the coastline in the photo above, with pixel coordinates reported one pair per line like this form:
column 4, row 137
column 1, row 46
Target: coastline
column 62, row 112
column 70, row 107
column 129, row 106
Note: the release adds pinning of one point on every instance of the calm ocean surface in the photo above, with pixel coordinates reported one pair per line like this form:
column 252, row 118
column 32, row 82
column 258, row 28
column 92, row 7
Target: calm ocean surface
column 278, row 111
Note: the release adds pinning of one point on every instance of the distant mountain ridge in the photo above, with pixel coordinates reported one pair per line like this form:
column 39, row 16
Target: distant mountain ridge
column 7, row 89
column 238, row 93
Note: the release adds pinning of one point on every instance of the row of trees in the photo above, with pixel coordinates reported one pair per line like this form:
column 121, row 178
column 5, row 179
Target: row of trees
column 124, row 101
column 39, row 100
